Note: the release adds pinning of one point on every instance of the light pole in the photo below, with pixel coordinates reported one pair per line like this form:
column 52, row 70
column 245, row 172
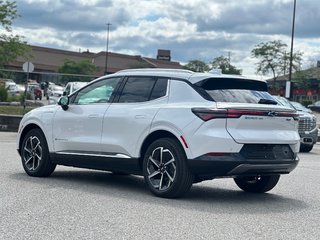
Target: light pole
column 107, row 53
column 288, row 85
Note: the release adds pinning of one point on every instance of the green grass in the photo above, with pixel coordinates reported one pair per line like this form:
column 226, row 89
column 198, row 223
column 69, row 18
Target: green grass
column 14, row 110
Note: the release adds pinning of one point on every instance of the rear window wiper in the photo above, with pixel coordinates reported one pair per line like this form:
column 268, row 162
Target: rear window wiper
column 267, row 101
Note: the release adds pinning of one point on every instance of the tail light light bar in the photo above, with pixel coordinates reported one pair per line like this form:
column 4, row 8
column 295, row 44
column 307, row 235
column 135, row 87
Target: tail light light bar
column 207, row 114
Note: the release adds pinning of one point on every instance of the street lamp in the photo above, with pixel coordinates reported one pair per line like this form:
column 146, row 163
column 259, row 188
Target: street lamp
column 288, row 85
column 107, row 53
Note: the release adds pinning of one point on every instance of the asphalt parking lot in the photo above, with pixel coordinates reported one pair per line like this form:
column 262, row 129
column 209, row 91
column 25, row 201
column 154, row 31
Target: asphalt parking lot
column 86, row 204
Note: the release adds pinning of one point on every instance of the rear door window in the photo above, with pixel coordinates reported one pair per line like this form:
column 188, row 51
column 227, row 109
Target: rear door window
column 233, row 90
column 142, row 89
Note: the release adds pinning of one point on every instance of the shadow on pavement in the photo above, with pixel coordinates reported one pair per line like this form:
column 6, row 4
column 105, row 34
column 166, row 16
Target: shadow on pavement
column 199, row 198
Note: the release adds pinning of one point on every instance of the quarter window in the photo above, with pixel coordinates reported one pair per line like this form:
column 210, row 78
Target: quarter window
column 67, row 90
column 160, row 88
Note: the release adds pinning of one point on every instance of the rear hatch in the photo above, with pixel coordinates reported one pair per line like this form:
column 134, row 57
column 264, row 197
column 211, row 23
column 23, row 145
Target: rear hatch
column 255, row 123
column 251, row 113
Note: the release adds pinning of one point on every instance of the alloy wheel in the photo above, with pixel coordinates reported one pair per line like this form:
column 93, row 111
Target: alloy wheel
column 161, row 168
column 32, row 153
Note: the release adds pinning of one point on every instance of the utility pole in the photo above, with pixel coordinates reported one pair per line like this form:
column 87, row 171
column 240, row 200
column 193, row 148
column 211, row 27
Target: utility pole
column 107, row 53
column 229, row 60
column 288, row 84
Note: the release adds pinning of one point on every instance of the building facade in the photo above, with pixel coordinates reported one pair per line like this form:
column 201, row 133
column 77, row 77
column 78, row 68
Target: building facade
column 305, row 86
column 47, row 61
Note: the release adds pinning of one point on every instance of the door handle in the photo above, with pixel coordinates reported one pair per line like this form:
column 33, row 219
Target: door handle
column 140, row 116
column 93, row 116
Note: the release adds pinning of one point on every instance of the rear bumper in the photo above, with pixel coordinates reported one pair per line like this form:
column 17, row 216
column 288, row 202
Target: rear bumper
column 235, row 165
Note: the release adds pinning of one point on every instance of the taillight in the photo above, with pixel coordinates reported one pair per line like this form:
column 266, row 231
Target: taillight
column 207, row 114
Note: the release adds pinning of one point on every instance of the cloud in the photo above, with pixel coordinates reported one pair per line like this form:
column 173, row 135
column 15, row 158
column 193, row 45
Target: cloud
column 191, row 29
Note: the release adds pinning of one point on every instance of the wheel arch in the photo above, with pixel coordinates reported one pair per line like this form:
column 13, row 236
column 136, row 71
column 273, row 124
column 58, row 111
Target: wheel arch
column 25, row 130
column 153, row 137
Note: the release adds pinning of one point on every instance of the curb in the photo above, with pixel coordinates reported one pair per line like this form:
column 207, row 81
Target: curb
column 9, row 123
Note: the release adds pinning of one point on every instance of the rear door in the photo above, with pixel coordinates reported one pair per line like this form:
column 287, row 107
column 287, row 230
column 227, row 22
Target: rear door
column 127, row 121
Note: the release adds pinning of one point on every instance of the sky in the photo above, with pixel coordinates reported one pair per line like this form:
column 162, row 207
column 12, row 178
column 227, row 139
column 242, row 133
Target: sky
column 191, row 29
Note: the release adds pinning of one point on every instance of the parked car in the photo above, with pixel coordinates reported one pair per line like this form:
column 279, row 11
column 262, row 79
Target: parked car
column 72, row 87
column 315, row 106
column 12, row 89
column 6, row 82
column 174, row 127
column 54, row 91
column 300, row 107
column 307, row 127
column 35, row 91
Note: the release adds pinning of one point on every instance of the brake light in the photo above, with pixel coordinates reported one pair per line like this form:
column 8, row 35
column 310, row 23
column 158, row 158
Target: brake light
column 207, row 114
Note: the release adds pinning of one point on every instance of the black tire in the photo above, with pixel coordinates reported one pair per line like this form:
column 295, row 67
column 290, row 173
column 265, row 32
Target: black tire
column 256, row 184
column 306, row 148
column 167, row 176
column 35, row 155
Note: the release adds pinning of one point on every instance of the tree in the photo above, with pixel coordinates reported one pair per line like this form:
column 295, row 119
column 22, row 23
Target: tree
column 197, row 66
column 11, row 46
column 274, row 59
column 302, row 80
column 224, row 64
column 84, row 67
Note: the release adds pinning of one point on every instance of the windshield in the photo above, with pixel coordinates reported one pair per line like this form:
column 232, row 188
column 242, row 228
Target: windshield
column 284, row 102
column 78, row 85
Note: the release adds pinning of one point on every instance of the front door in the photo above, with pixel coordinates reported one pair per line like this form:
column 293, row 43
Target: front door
column 78, row 129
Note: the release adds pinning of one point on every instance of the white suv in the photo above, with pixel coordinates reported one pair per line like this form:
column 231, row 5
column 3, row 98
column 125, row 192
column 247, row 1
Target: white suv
column 174, row 127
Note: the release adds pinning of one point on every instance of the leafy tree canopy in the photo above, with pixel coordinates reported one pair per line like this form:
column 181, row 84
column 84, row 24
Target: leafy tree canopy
column 11, row 46
column 84, row 67
column 197, row 66
column 274, row 58
column 224, row 64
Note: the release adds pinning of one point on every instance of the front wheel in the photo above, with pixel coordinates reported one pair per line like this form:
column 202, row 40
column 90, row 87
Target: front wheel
column 165, row 169
column 257, row 184
column 35, row 155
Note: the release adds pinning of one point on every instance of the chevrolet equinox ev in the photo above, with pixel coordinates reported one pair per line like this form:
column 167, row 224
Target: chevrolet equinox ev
column 173, row 127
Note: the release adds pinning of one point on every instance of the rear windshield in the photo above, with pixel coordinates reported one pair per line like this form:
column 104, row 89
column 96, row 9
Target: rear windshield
column 233, row 90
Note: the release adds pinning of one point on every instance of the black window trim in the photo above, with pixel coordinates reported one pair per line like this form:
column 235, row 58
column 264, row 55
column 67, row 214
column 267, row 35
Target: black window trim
column 120, row 89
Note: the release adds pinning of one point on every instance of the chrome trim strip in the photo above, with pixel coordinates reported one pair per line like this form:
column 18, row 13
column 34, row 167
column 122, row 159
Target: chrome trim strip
column 118, row 155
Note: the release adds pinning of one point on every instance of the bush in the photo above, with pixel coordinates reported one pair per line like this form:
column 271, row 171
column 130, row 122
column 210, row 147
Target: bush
column 306, row 102
column 13, row 98
column 3, row 94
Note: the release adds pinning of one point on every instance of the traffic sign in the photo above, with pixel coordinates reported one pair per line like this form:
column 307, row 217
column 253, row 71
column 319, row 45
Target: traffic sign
column 28, row 67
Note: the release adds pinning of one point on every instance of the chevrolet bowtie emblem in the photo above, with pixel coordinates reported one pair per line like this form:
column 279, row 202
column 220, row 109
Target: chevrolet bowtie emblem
column 272, row 114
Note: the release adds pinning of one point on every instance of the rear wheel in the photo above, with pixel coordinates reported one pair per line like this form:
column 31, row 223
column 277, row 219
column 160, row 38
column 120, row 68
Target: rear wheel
column 35, row 155
column 165, row 169
column 257, row 184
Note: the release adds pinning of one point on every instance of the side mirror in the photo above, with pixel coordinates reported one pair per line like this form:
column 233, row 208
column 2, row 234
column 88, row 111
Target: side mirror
column 64, row 93
column 64, row 102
